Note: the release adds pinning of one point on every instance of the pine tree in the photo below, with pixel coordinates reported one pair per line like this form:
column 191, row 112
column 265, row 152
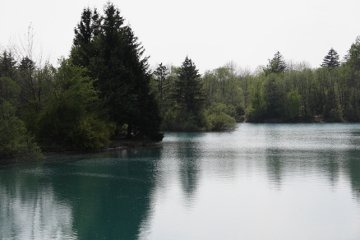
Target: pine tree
column 276, row 64
column 274, row 97
column 27, row 81
column 7, row 65
column 85, row 32
column 161, row 73
column 116, row 61
column 331, row 60
column 353, row 57
column 188, row 88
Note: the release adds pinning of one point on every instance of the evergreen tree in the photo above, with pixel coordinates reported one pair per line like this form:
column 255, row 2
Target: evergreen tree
column 7, row 65
column 188, row 89
column 331, row 60
column 274, row 97
column 9, row 90
column 353, row 57
column 352, row 76
column 85, row 32
column 161, row 74
column 27, row 82
column 276, row 64
column 121, row 70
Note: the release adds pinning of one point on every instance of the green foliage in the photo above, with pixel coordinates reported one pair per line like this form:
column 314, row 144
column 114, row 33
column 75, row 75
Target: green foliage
column 9, row 90
column 274, row 96
column 92, row 133
column 7, row 65
column 71, row 120
column 15, row 141
column 293, row 105
column 105, row 89
column 85, row 32
column 216, row 96
column 188, row 99
column 331, row 60
column 323, row 94
column 219, row 118
column 276, row 64
column 220, row 122
column 222, row 85
column 112, row 54
column 161, row 74
column 79, row 106
column 256, row 110
column 177, row 120
column 353, row 57
column 188, row 88
column 36, row 86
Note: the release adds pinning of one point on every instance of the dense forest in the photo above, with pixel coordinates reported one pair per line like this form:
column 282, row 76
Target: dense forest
column 278, row 92
column 100, row 93
column 105, row 91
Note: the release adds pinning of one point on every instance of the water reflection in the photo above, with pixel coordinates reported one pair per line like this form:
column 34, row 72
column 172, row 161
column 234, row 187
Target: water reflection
column 240, row 185
column 308, row 165
column 110, row 194
column 189, row 154
column 353, row 162
column 30, row 209
column 274, row 166
column 352, row 169
column 102, row 197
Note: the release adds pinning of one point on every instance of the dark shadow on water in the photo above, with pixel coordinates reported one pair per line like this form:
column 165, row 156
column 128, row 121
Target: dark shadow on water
column 29, row 208
column 273, row 157
column 189, row 154
column 274, row 166
column 105, row 197
column 352, row 169
column 109, row 195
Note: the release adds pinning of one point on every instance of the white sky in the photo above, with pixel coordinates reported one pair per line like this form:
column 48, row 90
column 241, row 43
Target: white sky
column 212, row 33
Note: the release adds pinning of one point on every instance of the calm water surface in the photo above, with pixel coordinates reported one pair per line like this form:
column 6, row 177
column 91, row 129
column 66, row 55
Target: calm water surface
column 277, row 182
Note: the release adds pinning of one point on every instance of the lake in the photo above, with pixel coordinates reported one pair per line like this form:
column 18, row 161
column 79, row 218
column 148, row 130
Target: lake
column 261, row 181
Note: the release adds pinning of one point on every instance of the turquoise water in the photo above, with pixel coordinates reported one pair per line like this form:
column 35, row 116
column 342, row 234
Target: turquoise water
column 266, row 181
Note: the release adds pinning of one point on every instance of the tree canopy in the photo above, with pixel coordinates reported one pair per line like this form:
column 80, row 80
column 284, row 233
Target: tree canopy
column 114, row 57
column 276, row 64
column 104, row 91
column 331, row 60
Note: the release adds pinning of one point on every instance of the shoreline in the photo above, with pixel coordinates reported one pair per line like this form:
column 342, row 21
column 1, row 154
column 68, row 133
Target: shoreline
column 119, row 145
column 114, row 146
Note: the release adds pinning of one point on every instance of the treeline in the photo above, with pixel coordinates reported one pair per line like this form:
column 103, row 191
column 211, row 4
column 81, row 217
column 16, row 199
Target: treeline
column 189, row 102
column 97, row 95
column 105, row 91
column 285, row 93
column 279, row 92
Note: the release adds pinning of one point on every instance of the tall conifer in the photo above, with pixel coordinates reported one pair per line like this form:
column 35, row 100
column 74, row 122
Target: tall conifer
column 188, row 88
column 116, row 61
column 331, row 60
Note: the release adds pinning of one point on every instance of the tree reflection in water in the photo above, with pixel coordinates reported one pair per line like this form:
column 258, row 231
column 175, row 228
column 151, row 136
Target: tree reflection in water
column 30, row 209
column 146, row 193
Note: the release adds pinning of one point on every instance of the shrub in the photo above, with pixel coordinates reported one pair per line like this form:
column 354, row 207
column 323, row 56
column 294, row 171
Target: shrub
column 15, row 141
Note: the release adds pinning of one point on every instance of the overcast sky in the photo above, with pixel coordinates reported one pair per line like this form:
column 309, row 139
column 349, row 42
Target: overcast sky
column 212, row 33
